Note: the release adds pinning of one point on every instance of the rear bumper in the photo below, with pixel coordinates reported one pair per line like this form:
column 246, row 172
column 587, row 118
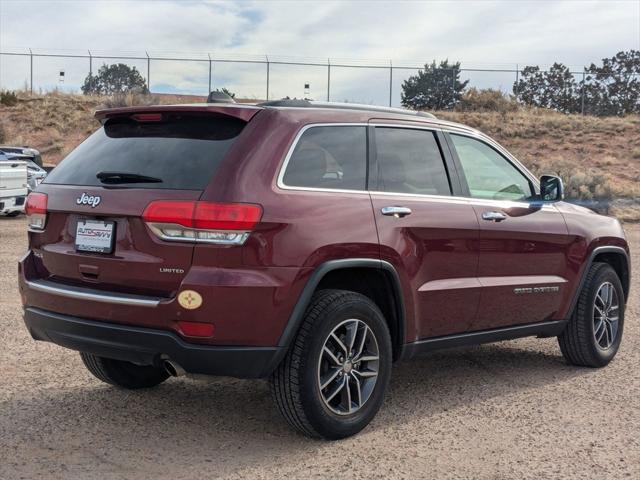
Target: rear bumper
column 147, row 346
column 12, row 204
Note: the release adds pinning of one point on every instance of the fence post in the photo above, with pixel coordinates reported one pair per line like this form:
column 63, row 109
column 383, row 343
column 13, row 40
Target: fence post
column 90, row 73
column 148, row 72
column 209, row 74
column 328, row 79
column 390, row 81
column 31, row 71
column 453, row 87
column 267, row 58
column 584, row 73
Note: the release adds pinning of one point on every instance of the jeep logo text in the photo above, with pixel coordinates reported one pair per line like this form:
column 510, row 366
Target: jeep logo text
column 85, row 199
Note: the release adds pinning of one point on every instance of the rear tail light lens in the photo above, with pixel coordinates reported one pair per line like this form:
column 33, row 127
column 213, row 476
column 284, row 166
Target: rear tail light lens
column 206, row 222
column 36, row 210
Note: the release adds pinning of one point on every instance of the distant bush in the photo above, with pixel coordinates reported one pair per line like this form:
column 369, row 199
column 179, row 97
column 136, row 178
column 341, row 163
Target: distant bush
column 8, row 98
column 486, row 100
column 582, row 186
column 130, row 99
column 3, row 133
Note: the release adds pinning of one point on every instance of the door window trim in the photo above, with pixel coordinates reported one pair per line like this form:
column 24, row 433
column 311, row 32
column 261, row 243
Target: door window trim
column 459, row 195
column 447, row 161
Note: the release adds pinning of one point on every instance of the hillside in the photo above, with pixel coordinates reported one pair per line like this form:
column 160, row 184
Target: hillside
column 599, row 158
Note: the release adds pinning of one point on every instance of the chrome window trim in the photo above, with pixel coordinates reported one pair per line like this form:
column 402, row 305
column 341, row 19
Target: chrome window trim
column 431, row 127
column 506, row 204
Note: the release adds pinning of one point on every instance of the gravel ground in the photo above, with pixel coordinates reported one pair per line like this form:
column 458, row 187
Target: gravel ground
column 507, row 410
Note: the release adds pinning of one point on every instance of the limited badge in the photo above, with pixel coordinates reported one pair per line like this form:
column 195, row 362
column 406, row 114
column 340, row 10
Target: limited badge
column 189, row 299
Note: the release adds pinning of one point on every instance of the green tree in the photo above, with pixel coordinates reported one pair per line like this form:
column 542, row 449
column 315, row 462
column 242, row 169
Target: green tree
column 437, row 87
column 614, row 87
column 556, row 88
column 114, row 79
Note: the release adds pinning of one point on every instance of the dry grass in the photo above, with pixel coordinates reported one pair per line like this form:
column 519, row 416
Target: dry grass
column 597, row 157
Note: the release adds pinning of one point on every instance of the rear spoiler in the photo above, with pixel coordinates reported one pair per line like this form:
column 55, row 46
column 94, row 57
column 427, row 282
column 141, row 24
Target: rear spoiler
column 243, row 112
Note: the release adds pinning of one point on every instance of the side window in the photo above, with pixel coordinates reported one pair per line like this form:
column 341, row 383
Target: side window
column 329, row 157
column 490, row 175
column 410, row 161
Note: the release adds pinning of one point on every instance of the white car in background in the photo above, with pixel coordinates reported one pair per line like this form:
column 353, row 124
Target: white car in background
column 14, row 185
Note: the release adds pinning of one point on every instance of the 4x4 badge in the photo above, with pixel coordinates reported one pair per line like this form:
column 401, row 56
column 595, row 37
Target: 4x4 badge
column 85, row 199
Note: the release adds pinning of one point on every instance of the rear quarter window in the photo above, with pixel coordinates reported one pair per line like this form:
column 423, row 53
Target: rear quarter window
column 332, row 157
column 183, row 151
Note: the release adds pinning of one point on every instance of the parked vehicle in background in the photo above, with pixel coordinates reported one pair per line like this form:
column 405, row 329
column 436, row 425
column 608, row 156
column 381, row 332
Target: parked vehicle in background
column 13, row 186
column 24, row 153
column 312, row 244
column 35, row 172
column 35, row 175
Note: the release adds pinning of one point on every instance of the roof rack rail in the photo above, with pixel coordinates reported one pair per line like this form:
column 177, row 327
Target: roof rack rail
column 302, row 103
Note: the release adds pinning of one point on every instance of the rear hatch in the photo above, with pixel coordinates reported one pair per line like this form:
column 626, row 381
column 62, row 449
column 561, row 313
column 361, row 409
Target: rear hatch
column 95, row 235
column 13, row 178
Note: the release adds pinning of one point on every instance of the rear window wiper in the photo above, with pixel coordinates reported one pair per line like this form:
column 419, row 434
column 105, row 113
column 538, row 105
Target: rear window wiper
column 125, row 177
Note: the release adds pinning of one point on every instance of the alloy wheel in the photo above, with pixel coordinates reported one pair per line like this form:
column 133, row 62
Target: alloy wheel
column 606, row 308
column 348, row 367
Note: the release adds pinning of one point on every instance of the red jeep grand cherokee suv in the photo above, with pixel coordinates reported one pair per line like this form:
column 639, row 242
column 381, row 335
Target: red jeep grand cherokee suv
column 310, row 243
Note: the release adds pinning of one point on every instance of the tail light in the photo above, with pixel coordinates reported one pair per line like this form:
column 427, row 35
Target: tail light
column 36, row 210
column 204, row 222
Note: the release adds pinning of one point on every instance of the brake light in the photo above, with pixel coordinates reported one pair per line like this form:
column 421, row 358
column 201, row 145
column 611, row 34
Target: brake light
column 208, row 222
column 147, row 117
column 36, row 210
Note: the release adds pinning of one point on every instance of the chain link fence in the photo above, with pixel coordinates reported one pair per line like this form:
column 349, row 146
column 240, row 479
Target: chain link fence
column 250, row 77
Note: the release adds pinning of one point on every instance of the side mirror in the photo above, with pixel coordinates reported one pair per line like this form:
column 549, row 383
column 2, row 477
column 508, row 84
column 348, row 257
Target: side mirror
column 551, row 188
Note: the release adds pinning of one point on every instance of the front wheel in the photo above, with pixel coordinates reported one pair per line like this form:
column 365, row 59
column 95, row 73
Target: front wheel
column 594, row 332
column 332, row 382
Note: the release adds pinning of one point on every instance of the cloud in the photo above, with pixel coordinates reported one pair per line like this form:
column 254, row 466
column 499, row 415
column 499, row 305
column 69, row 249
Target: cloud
column 479, row 33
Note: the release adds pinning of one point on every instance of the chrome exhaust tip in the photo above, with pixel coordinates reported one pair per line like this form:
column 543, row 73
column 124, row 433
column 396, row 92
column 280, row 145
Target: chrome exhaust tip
column 173, row 369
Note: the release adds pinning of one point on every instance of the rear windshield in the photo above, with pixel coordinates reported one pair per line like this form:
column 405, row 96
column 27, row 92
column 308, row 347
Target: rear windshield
column 180, row 152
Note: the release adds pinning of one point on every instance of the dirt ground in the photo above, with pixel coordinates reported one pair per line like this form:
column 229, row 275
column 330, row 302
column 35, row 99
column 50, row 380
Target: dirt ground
column 507, row 410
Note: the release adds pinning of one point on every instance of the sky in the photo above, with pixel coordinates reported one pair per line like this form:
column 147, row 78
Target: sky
column 480, row 34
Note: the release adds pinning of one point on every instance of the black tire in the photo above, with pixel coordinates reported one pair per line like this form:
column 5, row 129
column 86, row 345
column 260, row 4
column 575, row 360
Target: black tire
column 294, row 384
column 123, row 374
column 13, row 214
column 578, row 341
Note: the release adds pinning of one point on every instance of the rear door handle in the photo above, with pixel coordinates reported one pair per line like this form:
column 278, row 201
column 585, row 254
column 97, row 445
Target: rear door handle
column 397, row 212
column 494, row 216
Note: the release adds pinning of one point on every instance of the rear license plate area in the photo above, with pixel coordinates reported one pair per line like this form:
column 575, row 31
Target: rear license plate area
column 95, row 236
